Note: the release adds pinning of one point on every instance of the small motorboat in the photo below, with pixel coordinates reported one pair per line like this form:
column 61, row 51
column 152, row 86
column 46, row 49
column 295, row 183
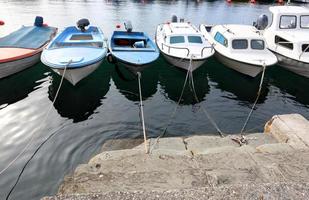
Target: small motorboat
column 182, row 44
column 240, row 47
column 135, row 50
column 287, row 37
column 22, row 48
column 77, row 51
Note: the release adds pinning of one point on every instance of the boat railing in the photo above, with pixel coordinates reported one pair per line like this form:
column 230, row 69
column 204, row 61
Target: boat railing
column 170, row 47
column 202, row 51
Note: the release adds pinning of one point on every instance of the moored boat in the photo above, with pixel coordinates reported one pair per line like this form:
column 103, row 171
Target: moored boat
column 22, row 48
column 287, row 37
column 76, row 52
column 240, row 47
column 182, row 44
column 133, row 49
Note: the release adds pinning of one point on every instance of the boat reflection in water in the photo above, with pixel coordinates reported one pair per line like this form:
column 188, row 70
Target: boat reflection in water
column 80, row 102
column 126, row 81
column 244, row 88
column 172, row 80
column 17, row 87
column 293, row 84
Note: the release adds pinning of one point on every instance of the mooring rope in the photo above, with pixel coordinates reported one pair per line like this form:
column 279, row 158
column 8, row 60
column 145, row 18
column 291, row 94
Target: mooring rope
column 212, row 121
column 142, row 111
column 40, row 126
column 175, row 109
column 256, row 100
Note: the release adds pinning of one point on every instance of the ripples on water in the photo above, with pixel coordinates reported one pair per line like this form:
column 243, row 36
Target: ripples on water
column 105, row 104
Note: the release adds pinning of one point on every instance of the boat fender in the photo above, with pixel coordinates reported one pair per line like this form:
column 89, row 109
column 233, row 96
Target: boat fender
column 110, row 59
column 1, row 23
column 38, row 21
column 82, row 24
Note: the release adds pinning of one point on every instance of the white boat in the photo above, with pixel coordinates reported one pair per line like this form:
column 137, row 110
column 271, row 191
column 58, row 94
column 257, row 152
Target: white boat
column 288, row 37
column 181, row 43
column 239, row 47
column 78, row 52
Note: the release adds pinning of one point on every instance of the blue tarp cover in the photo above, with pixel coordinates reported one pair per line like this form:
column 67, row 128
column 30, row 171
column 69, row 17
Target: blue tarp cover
column 29, row 37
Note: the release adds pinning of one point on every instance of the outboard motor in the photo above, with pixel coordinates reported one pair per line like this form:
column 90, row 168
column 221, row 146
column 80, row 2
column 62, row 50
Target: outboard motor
column 181, row 20
column 128, row 26
column 261, row 22
column 174, row 19
column 82, row 24
column 38, row 21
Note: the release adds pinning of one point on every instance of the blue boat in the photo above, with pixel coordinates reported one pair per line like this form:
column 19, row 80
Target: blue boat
column 76, row 51
column 133, row 49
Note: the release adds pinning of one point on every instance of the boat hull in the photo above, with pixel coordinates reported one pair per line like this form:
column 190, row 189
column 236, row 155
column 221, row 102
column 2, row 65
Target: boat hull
column 298, row 67
column 12, row 67
column 77, row 74
column 184, row 63
column 244, row 68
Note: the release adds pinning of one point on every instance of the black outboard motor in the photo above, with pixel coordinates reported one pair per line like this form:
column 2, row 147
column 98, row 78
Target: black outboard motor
column 82, row 24
column 261, row 22
column 38, row 21
column 174, row 19
column 128, row 26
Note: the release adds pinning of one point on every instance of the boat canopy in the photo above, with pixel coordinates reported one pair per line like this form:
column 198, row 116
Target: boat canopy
column 28, row 37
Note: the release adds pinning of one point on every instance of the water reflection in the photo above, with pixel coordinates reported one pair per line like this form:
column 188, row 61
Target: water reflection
column 17, row 87
column 172, row 80
column 244, row 88
column 80, row 101
column 127, row 83
column 293, row 84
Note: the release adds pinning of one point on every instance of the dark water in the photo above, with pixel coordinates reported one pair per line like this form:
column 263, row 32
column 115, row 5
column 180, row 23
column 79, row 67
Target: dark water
column 105, row 104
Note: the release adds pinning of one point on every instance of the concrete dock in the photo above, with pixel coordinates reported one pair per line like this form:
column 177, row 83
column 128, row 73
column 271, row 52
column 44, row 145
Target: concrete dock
column 272, row 165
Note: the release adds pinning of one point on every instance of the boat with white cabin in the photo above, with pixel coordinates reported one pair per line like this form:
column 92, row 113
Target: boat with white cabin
column 239, row 47
column 288, row 37
column 182, row 44
column 76, row 52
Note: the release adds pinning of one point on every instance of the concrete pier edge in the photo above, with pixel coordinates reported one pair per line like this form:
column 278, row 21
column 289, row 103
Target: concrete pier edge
column 273, row 165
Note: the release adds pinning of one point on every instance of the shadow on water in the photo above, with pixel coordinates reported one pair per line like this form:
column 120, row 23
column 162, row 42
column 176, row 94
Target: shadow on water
column 80, row 101
column 244, row 88
column 127, row 82
column 291, row 83
column 17, row 87
column 172, row 80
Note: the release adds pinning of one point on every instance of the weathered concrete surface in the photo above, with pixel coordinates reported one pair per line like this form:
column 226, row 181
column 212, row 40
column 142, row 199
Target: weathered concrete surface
column 292, row 129
column 273, row 191
column 201, row 167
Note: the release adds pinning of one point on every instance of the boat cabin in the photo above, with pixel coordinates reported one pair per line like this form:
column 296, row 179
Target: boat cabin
column 237, row 38
column 182, row 34
column 289, row 28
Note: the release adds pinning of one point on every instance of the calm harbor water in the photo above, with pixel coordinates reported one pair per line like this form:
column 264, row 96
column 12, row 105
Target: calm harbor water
column 105, row 105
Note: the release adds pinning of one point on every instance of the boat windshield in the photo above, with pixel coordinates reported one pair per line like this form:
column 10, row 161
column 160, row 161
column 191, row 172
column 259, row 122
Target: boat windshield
column 287, row 22
column 240, row 44
column 304, row 21
column 257, row 44
column 177, row 39
column 195, row 39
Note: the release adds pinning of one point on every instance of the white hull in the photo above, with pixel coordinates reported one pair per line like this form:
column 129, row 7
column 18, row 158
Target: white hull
column 77, row 74
column 298, row 67
column 9, row 68
column 244, row 68
column 184, row 63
